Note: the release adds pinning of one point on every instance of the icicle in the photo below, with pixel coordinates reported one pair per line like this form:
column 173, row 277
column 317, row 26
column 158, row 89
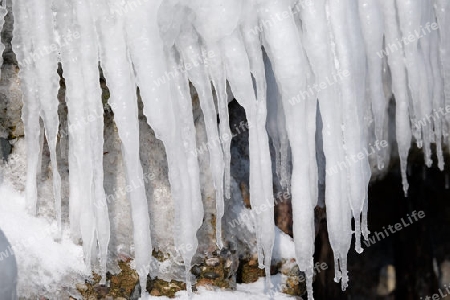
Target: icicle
column 352, row 199
column 409, row 17
column 438, row 97
column 47, row 87
column 183, row 109
column 88, row 212
column 261, row 193
column 214, row 20
column 372, row 26
column 442, row 11
column 426, row 78
column 92, row 109
column 399, row 85
column 216, row 72
column 276, row 119
column 318, row 46
column 311, row 119
column 65, row 24
column 348, row 53
column 23, row 47
column 32, row 37
column 147, row 53
column 120, row 79
column 74, row 62
column 359, row 71
column 188, row 45
column 289, row 66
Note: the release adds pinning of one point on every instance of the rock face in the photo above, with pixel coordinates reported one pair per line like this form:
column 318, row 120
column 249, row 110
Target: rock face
column 8, row 270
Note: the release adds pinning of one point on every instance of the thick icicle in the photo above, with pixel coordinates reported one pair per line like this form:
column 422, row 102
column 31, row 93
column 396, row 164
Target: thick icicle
column 409, row 18
column 438, row 96
column 358, row 72
column 276, row 116
column 311, row 119
column 214, row 20
column 347, row 54
column 75, row 61
column 120, row 79
column 426, row 78
column 75, row 118
column 23, row 47
column 261, row 193
column 47, row 87
column 352, row 193
column 94, row 213
column 399, row 85
column 79, row 58
column 190, row 211
column 188, row 45
column 372, row 27
column 318, row 46
column 289, row 66
column 183, row 108
column 147, row 54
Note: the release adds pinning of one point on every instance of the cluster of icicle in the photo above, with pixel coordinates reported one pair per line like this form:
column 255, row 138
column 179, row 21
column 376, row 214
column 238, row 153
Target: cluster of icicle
column 273, row 54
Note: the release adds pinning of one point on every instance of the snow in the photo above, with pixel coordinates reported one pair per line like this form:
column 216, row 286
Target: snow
column 42, row 262
column 44, row 267
column 250, row 291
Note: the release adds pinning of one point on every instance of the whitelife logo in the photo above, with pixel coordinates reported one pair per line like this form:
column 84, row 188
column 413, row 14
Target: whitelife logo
column 441, row 294
column 378, row 236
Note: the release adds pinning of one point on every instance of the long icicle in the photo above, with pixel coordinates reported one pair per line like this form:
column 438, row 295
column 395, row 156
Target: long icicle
column 293, row 83
column 188, row 44
column 261, row 193
column 23, row 47
column 147, row 53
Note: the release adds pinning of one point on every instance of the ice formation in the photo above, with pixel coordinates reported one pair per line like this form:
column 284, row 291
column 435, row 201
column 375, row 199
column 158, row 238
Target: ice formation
column 292, row 65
